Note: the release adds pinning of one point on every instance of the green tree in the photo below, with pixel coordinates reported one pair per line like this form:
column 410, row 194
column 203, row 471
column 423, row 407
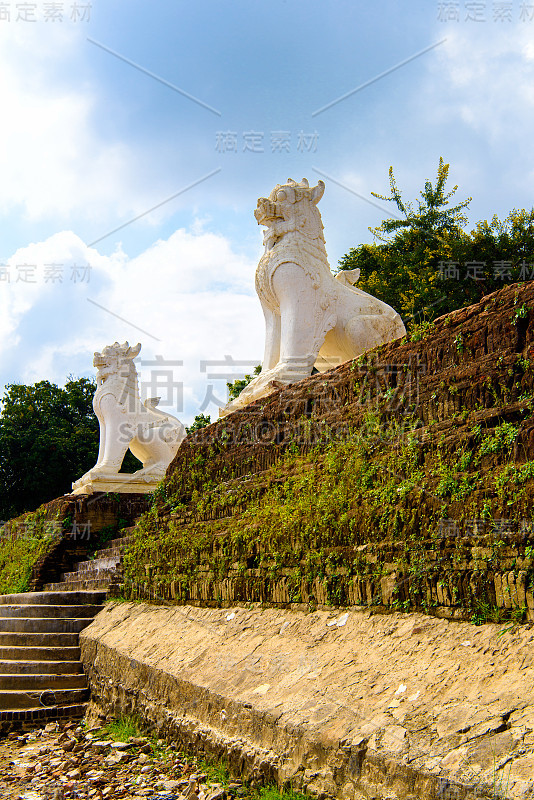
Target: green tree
column 404, row 269
column 510, row 240
column 432, row 219
column 493, row 255
column 235, row 388
column 48, row 438
column 423, row 262
column 200, row 421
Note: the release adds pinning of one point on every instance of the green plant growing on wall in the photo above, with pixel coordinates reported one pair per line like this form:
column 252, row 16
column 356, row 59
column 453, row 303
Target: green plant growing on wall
column 520, row 313
column 502, row 439
column 23, row 541
column 386, row 481
column 420, row 330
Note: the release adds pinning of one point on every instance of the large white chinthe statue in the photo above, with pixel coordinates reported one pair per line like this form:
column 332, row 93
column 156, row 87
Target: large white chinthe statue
column 125, row 422
column 312, row 319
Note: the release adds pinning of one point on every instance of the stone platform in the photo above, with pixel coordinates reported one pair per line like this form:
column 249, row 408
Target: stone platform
column 343, row 703
column 122, row 483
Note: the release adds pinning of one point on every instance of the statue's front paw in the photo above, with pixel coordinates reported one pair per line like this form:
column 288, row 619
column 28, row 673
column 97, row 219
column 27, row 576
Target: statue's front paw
column 251, row 388
column 102, row 470
column 282, row 375
column 150, row 473
column 85, row 478
column 95, row 471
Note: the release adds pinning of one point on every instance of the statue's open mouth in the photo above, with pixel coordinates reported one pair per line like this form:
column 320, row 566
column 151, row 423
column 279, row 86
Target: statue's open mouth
column 267, row 211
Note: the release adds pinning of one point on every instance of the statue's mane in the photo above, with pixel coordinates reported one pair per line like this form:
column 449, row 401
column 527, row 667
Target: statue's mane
column 124, row 372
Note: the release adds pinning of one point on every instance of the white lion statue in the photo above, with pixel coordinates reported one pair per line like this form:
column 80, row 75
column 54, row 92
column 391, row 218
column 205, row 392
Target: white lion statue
column 126, row 422
column 312, row 319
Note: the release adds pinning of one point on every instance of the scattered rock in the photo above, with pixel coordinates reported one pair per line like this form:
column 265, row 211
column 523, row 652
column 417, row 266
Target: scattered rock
column 115, row 757
column 171, row 785
column 101, row 744
column 51, row 727
column 218, row 794
column 74, row 774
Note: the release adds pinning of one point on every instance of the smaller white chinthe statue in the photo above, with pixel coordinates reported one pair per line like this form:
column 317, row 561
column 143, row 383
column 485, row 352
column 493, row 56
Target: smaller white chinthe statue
column 312, row 319
column 125, row 422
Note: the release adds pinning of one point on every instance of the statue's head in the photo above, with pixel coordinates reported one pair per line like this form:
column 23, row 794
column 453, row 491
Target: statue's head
column 278, row 205
column 114, row 356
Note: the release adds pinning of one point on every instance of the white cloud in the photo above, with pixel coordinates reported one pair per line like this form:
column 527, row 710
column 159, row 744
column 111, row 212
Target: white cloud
column 191, row 295
column 483, row 76
column 53, row 161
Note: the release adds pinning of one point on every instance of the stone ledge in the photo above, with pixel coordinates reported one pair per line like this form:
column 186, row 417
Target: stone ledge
column 505, row 591
column 29, row 719
column 121, row 483
column 344, row 704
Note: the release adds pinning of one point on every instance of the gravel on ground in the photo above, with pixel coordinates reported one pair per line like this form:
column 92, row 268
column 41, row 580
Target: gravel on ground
column 60, row 762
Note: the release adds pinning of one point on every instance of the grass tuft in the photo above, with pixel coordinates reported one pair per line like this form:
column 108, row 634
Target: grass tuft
column 122, row 728
column 274, row 793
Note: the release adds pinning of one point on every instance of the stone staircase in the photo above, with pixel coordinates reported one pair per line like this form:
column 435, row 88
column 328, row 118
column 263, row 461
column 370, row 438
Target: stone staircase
column 103, row 572
column 41, row 675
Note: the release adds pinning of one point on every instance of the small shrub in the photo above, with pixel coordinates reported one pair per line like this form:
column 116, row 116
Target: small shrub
column 122, row 728
column 420, row 330
column 502, row 439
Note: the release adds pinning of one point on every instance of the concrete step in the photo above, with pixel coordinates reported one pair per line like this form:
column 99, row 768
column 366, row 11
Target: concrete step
column 121, row 541
column 38, row 639
column 38, row 682
column 41, row 675
column 63, row 710
column 110, row 552
column 18, row 666
column 98, row 573
column 43, row 611
column 59, row 597
column 127, row 532
column 30, row 718
column 31, row 699
column 100, row 563
column 90, row 573
column 78, row 584
column 45, row 625
column 54, row 654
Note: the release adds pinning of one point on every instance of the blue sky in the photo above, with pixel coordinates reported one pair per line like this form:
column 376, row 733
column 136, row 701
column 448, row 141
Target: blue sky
column 89, row 142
